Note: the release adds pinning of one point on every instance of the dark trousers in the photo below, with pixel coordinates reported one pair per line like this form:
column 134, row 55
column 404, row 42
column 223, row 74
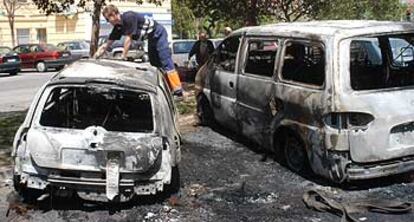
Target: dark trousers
column 158, row 49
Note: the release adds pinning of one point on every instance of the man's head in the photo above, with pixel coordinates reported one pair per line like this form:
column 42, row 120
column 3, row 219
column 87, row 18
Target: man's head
column 227, row 31
column 202, row 36
column 111, row 14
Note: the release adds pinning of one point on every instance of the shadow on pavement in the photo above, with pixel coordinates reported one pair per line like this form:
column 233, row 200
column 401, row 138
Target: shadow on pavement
column 351, row 186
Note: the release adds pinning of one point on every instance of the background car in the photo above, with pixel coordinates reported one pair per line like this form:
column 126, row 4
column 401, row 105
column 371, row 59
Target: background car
column 180, row 49
column 9, row 61
column 136, row 50
column 42, row 56
column 79, row 49
column 216, row 42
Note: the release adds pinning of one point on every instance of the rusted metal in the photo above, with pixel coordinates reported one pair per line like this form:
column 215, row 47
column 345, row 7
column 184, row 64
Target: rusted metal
column 262, row 108
column 99, row 157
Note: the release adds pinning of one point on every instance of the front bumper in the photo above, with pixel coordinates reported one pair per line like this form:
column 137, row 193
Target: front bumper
column 362, row 172
column 10, row 66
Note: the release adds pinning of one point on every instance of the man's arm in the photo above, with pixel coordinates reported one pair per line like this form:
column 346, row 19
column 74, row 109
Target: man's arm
column 101, row 50
column 193, row 50
column 127, row 44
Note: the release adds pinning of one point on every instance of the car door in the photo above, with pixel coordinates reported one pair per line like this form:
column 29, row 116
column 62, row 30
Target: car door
column 25, row 56
column 223, row 82
column 300, row 89
column 255, row 87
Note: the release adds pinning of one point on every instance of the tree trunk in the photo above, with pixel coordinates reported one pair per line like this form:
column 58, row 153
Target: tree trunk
column 11, row 24
column 95, row 26
column 251, row 18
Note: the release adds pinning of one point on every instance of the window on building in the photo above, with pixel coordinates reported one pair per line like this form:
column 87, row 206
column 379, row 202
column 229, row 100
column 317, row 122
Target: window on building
column 23, row 36
column 260, row 59
column 41, row 35
column 304, row 62
column 227, row 54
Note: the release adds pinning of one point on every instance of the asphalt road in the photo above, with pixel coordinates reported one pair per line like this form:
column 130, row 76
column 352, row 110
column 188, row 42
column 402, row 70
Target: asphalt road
column 17, row 92
column 221, row 180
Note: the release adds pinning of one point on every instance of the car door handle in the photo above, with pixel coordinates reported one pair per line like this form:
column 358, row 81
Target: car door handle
column 231, row 84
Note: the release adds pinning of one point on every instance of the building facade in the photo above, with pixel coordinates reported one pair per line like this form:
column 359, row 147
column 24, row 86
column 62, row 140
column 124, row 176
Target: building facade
column 32, row 26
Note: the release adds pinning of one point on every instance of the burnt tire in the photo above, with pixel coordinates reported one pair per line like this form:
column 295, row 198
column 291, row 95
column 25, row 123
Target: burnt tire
column 204, row 111
column 29, row 195
column 174, row 186
column 294, row 153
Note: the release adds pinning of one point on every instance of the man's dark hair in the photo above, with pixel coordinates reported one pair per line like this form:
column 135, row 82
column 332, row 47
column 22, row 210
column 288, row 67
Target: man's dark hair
column 109, row 9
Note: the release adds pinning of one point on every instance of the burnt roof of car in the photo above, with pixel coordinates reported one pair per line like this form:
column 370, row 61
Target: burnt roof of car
column 331, row 27
column 125, row 73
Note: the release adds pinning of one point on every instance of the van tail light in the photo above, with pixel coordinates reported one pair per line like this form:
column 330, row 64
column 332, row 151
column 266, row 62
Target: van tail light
column 348, row 120
column 1, row 60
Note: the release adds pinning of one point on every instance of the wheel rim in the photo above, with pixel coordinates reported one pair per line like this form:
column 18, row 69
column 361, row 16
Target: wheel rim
column 295, row 154
column 40, row 67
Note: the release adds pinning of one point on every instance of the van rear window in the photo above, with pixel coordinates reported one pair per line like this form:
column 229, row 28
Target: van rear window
column 113, row 109
column 382, row 62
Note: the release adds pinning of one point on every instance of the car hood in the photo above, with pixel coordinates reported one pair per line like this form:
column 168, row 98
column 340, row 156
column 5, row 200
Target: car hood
column 89, row 149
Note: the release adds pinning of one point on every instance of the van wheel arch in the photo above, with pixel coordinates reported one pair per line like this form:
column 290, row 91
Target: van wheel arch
column 290, row 149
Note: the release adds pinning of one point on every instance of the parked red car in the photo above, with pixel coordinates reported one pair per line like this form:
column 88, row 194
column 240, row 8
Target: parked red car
column 42, row 56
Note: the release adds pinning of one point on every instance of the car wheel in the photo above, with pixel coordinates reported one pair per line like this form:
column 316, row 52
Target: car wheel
column 14, row 72
column 41, row 67
column 174, row 186
column 295, row 156
column 59, row 68
column 204, row 111
column 29, row 195
column 16, row 183
column 118, row 55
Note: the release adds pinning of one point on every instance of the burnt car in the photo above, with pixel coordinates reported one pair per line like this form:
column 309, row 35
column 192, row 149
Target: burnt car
column 104, row 130
column 332, row 97
column 9, row 61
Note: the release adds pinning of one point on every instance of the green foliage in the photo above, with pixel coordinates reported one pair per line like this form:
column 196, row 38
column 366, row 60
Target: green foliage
column 9, row 125
column 361, row 9
column 184, row 20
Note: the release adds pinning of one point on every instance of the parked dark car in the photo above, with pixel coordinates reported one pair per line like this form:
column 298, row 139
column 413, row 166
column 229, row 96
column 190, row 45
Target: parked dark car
column 42, row 56
column 136, row 50
column 9, row 61
column 78, row 48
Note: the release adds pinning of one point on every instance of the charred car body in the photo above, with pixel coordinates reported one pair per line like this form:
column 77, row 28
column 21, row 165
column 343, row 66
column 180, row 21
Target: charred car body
column 104, row 129
column 337, row 95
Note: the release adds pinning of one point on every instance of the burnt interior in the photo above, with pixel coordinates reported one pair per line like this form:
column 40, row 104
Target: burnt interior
column 382, row 62
column 113, row 109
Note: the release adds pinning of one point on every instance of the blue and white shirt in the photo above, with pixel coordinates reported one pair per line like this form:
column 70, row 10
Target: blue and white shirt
column 135, row 24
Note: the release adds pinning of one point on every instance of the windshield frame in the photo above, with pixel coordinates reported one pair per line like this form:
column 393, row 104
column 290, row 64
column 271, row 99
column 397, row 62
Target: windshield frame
column 344, row 58
column 42, row 102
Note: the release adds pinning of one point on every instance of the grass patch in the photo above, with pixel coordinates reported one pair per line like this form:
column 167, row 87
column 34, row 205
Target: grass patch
column 187, row 106
column 9, row 123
